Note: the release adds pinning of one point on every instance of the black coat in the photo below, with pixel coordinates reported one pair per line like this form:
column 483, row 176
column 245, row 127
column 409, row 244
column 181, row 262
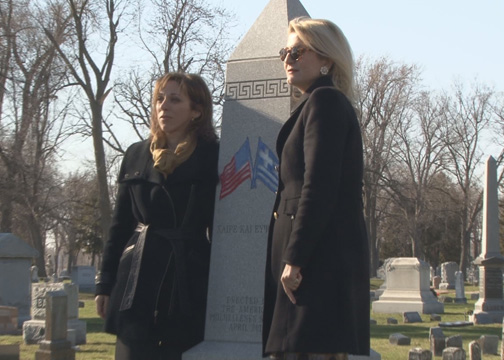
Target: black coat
column 165, row 298
column 318, row 225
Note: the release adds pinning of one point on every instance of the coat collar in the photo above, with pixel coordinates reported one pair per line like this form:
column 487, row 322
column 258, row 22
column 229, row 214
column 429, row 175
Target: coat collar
column 141, row 166
column 289, row 124
column 320, row 82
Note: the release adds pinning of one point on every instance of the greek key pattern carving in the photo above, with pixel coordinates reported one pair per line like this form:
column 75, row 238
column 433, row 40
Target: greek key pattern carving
column 258, row 89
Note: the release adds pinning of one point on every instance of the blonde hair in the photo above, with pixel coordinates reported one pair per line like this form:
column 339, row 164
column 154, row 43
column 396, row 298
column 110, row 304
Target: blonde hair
column 327, row 40
column 201, row 100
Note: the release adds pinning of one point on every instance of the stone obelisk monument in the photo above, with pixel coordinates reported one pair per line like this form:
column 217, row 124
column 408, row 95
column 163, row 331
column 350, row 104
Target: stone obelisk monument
column 490, row 306
column 258, row 101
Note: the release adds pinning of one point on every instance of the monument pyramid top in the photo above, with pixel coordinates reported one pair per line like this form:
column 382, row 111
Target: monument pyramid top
column 269, row 31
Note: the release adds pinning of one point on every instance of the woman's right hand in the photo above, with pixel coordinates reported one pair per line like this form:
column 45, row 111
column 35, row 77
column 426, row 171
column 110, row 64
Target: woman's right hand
column 101, row 305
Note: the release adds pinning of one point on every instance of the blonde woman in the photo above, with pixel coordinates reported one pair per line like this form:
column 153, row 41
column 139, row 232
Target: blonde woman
column 317, row 269
column 152, row 287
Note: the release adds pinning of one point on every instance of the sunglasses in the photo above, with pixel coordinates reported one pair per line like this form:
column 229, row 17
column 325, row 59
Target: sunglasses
column 295, row 52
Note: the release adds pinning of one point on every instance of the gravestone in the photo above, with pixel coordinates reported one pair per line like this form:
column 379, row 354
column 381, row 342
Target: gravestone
column 454, row 341
column 489, row 344
column 490, row 306
column 459, row 288
column 411, row 317
column 84, row 277
column 436, row 280
column 382, row 274
column 34, row 274
column 454, row 353
column 16, row 258
column 399, row 339
column 408, row 289
column 448, row 270
column 474, row 351
column 9, row 320
column 9, row 352
column 419, row 354
column 34, row 330
column 55, row 345
column 257, row 102
column 437, row 341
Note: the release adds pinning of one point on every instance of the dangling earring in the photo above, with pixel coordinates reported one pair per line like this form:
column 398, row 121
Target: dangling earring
column 324, row 70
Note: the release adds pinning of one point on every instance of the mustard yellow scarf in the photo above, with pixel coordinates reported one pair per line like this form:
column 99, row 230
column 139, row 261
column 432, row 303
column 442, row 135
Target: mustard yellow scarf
column 166, row 160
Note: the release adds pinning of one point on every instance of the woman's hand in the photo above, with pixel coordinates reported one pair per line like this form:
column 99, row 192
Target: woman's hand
column 291, row 279
column 101, row 305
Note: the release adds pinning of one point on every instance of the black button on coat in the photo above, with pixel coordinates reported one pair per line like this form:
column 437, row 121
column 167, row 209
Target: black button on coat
column 319, row 226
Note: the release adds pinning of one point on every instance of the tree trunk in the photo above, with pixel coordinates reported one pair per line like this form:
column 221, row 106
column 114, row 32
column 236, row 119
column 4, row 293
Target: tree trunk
column 101, row 171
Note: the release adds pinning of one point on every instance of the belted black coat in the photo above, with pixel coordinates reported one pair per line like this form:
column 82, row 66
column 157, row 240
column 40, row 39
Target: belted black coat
column 156, row 261
column 318, row 224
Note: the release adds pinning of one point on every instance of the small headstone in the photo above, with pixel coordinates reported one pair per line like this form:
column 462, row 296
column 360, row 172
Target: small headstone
column 9, row 352
column 459, row 288
column 474, row 351
column 436, row 280
column 474, row 296
column 435, row 317
column 411, row 317
column 445, row 299
column 454, row 353
column 399, row 339
column 55, row 345
column 84, row 276
column 8, row 320
column 437, row 341
column 454, row 341
column 392, row 321
column 419, row 354
column 372, row 322
column 489, row 344
column 34, row 274
column 448, row 270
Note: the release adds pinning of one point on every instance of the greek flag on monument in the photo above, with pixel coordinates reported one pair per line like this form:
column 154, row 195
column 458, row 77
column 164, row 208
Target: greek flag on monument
column 265, row 167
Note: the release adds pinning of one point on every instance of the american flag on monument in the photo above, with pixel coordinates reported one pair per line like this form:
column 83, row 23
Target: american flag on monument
column 237, row 170
column 264, row 168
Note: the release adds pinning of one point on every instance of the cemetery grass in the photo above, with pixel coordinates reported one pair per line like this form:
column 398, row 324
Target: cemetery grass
column 100, row 346
column 419, row 332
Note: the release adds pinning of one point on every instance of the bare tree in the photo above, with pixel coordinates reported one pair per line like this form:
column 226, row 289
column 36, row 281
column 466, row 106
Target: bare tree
column 31, row 123
column 86, row 17
column 466, row 117
column 419, row 158
column 384, row 91
column 178, row 36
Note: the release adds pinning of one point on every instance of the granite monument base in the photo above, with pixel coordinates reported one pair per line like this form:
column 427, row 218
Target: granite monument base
column 55, row 350
column 401, row 305
column 218, row 350
column 34, row 331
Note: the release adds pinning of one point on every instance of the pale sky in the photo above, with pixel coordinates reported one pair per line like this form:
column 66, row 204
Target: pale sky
column 448, row 39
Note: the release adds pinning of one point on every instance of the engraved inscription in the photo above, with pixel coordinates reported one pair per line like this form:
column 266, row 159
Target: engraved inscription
column 240, row 313
column 242, row 229
column 258, row 89
column 492, row 280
